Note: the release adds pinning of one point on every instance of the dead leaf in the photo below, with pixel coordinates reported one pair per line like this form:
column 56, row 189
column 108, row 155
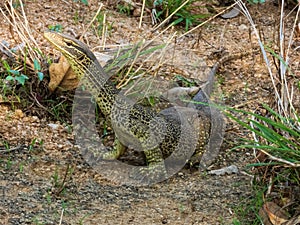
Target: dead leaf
column 276, row 214
column 62, row 76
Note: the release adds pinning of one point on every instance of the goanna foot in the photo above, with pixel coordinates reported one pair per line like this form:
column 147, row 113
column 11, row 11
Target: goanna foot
column 149, row 175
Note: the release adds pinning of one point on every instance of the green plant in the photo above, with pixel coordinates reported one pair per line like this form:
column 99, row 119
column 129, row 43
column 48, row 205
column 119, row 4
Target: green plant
column 250, row 206
column 48, row 197
column 37, row 69
column 235, row 221
column 36, row 221
column 124, row 8
column 275, row 131
column 185, row 81
column 55, row 178
column 256, row 1
column 56, row 28
column 178, row 12
column 21, row 167
column 5, row 144
column 76, row 17
column 16, row 4
column 277, row 136
column 85, row 2
column 101, row 22
column 35, row 142
column 83, row 218
column 16, row 76
column 9, row 164
column 59, row 184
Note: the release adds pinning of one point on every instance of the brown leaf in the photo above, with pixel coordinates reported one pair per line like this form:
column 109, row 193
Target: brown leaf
column 276, row 214
column 62, row 76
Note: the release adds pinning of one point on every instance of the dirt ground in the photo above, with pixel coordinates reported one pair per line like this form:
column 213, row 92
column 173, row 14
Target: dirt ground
column 31, row 178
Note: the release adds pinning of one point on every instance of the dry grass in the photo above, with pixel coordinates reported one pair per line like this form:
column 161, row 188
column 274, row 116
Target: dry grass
column 21, row 31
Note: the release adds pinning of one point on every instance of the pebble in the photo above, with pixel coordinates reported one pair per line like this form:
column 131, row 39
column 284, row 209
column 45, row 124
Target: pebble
column 243, row 27
column 225, row 170
column 53, row 126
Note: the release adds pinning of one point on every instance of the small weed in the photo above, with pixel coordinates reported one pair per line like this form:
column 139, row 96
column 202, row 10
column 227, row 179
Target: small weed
column 181, row 208
column 16, row 4
column 59, row 184
column 85, row 2
column 36, row 221
column 16, row 77
column 102, row 24
column 9, row 164
column 125, row 9
column 76, row 17
column 185, row 81
column 56, row 28
column 37, row 69
column 49, row 197
column 184, row 12
column 55, row 178
column 250, row 207
column 64, row 205
column 235, row 221
column 35, row 143
column 59, row 109
column 21, row 167
column 83, row 218
column 5, row 144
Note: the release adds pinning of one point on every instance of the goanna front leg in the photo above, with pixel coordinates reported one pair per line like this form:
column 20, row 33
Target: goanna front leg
column 116, row 152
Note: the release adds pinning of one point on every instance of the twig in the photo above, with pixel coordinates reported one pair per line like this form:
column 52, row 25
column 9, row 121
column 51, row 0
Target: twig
column 61, row 216
column 165, row 20
column 11, row 149
column 104, row 29
column 63, row 183
column 279, row 159
column 85, row 30
column 131, row 66
column 142, row 13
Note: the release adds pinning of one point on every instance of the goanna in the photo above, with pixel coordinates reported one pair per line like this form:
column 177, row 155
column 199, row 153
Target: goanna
column 179, row 132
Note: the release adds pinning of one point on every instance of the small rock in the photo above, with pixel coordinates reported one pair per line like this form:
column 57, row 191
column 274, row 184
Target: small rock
column 226, row 170
column 47, row 6
column 19, row 113
column 53, row 126
column 243, row 27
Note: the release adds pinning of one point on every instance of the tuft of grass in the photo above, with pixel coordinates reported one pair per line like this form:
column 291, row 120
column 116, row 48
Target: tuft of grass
column 124, row 9
column 22, row 74
column 177, row 12
column 276, row 133
column 59, row 183
column 250, row 206
column 103, row 27
column 276, row 136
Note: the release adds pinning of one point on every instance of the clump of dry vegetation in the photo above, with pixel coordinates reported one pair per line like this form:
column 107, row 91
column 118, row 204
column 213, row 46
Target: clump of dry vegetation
column 276, row 128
